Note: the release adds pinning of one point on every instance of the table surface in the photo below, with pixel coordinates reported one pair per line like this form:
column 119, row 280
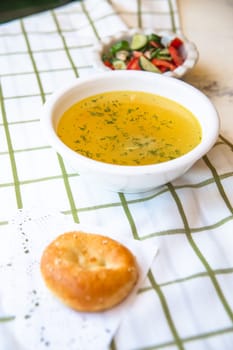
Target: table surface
column 215, row 78
column 187, row 299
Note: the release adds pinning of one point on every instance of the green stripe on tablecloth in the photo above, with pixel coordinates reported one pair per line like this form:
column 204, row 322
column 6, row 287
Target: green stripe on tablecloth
column 188, row 278
column 218, row 184
column 68, row 190
column 205, row 182
column 209, row 334
column 60, row 160
column 189, row 339
column 113, row 345
column 199, row 254
column 90, row 20
column 31, row 149
column 45, row 71
column 180, row 231
column 32, row 60
column 7, row 319
column 97, row 207
column 11, row 153
column 25, row 96
column 174, row 29
column 41, row 179
column 139, row 14
column 226, row 141
column 3, row 223
column 152, row 279
column 57, row 49
column 85, row 11
column 15, row 122
column 64, row 44
column 129, row 216
column 38, row 32
column 166, row 311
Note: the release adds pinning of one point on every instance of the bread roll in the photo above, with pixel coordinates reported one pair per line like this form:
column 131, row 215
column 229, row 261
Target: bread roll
column 88, row 272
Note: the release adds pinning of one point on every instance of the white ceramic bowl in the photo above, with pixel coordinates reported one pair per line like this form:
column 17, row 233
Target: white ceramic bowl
column 131, row 179
column 188, row 49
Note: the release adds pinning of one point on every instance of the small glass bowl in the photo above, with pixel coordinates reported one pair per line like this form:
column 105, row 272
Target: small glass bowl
column 188, row 50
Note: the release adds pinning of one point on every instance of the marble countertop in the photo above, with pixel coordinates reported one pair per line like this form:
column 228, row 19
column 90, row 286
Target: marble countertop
column 209, row 24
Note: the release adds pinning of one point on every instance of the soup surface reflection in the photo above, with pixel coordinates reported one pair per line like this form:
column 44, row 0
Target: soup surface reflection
column 129, row 128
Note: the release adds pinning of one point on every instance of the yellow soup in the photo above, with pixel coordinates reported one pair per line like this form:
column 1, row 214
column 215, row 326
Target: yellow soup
column 129, row 128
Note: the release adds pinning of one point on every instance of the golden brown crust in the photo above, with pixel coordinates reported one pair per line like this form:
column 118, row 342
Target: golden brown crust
column 88, row 272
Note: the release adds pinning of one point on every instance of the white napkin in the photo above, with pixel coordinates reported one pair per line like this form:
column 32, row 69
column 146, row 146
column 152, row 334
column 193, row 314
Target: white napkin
column 40, row 319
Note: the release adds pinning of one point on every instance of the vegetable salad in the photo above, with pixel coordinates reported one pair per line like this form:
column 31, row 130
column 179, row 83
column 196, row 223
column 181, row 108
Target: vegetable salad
column 145, row 52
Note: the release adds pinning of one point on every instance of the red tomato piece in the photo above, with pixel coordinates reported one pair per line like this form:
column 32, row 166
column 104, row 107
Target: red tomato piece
column 163, row 63
column 163, row 69
column 176, row 42
column 134, row 64
column 176, row 56
column 108, row 64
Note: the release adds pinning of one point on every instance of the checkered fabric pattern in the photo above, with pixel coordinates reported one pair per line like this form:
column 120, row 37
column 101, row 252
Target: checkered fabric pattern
column 186, row 301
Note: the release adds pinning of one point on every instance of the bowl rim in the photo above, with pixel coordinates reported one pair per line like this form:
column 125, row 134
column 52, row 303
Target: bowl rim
column 189, row 46
column 185, row 160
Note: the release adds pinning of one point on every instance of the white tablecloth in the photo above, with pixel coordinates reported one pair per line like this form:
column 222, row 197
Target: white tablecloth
column 186, row 300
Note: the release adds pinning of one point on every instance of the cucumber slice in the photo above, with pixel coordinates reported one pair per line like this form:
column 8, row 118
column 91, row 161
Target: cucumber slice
column 145, row 64
column 119, row 64
column 164, row 57
column 138, row 41
column 164, row 52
